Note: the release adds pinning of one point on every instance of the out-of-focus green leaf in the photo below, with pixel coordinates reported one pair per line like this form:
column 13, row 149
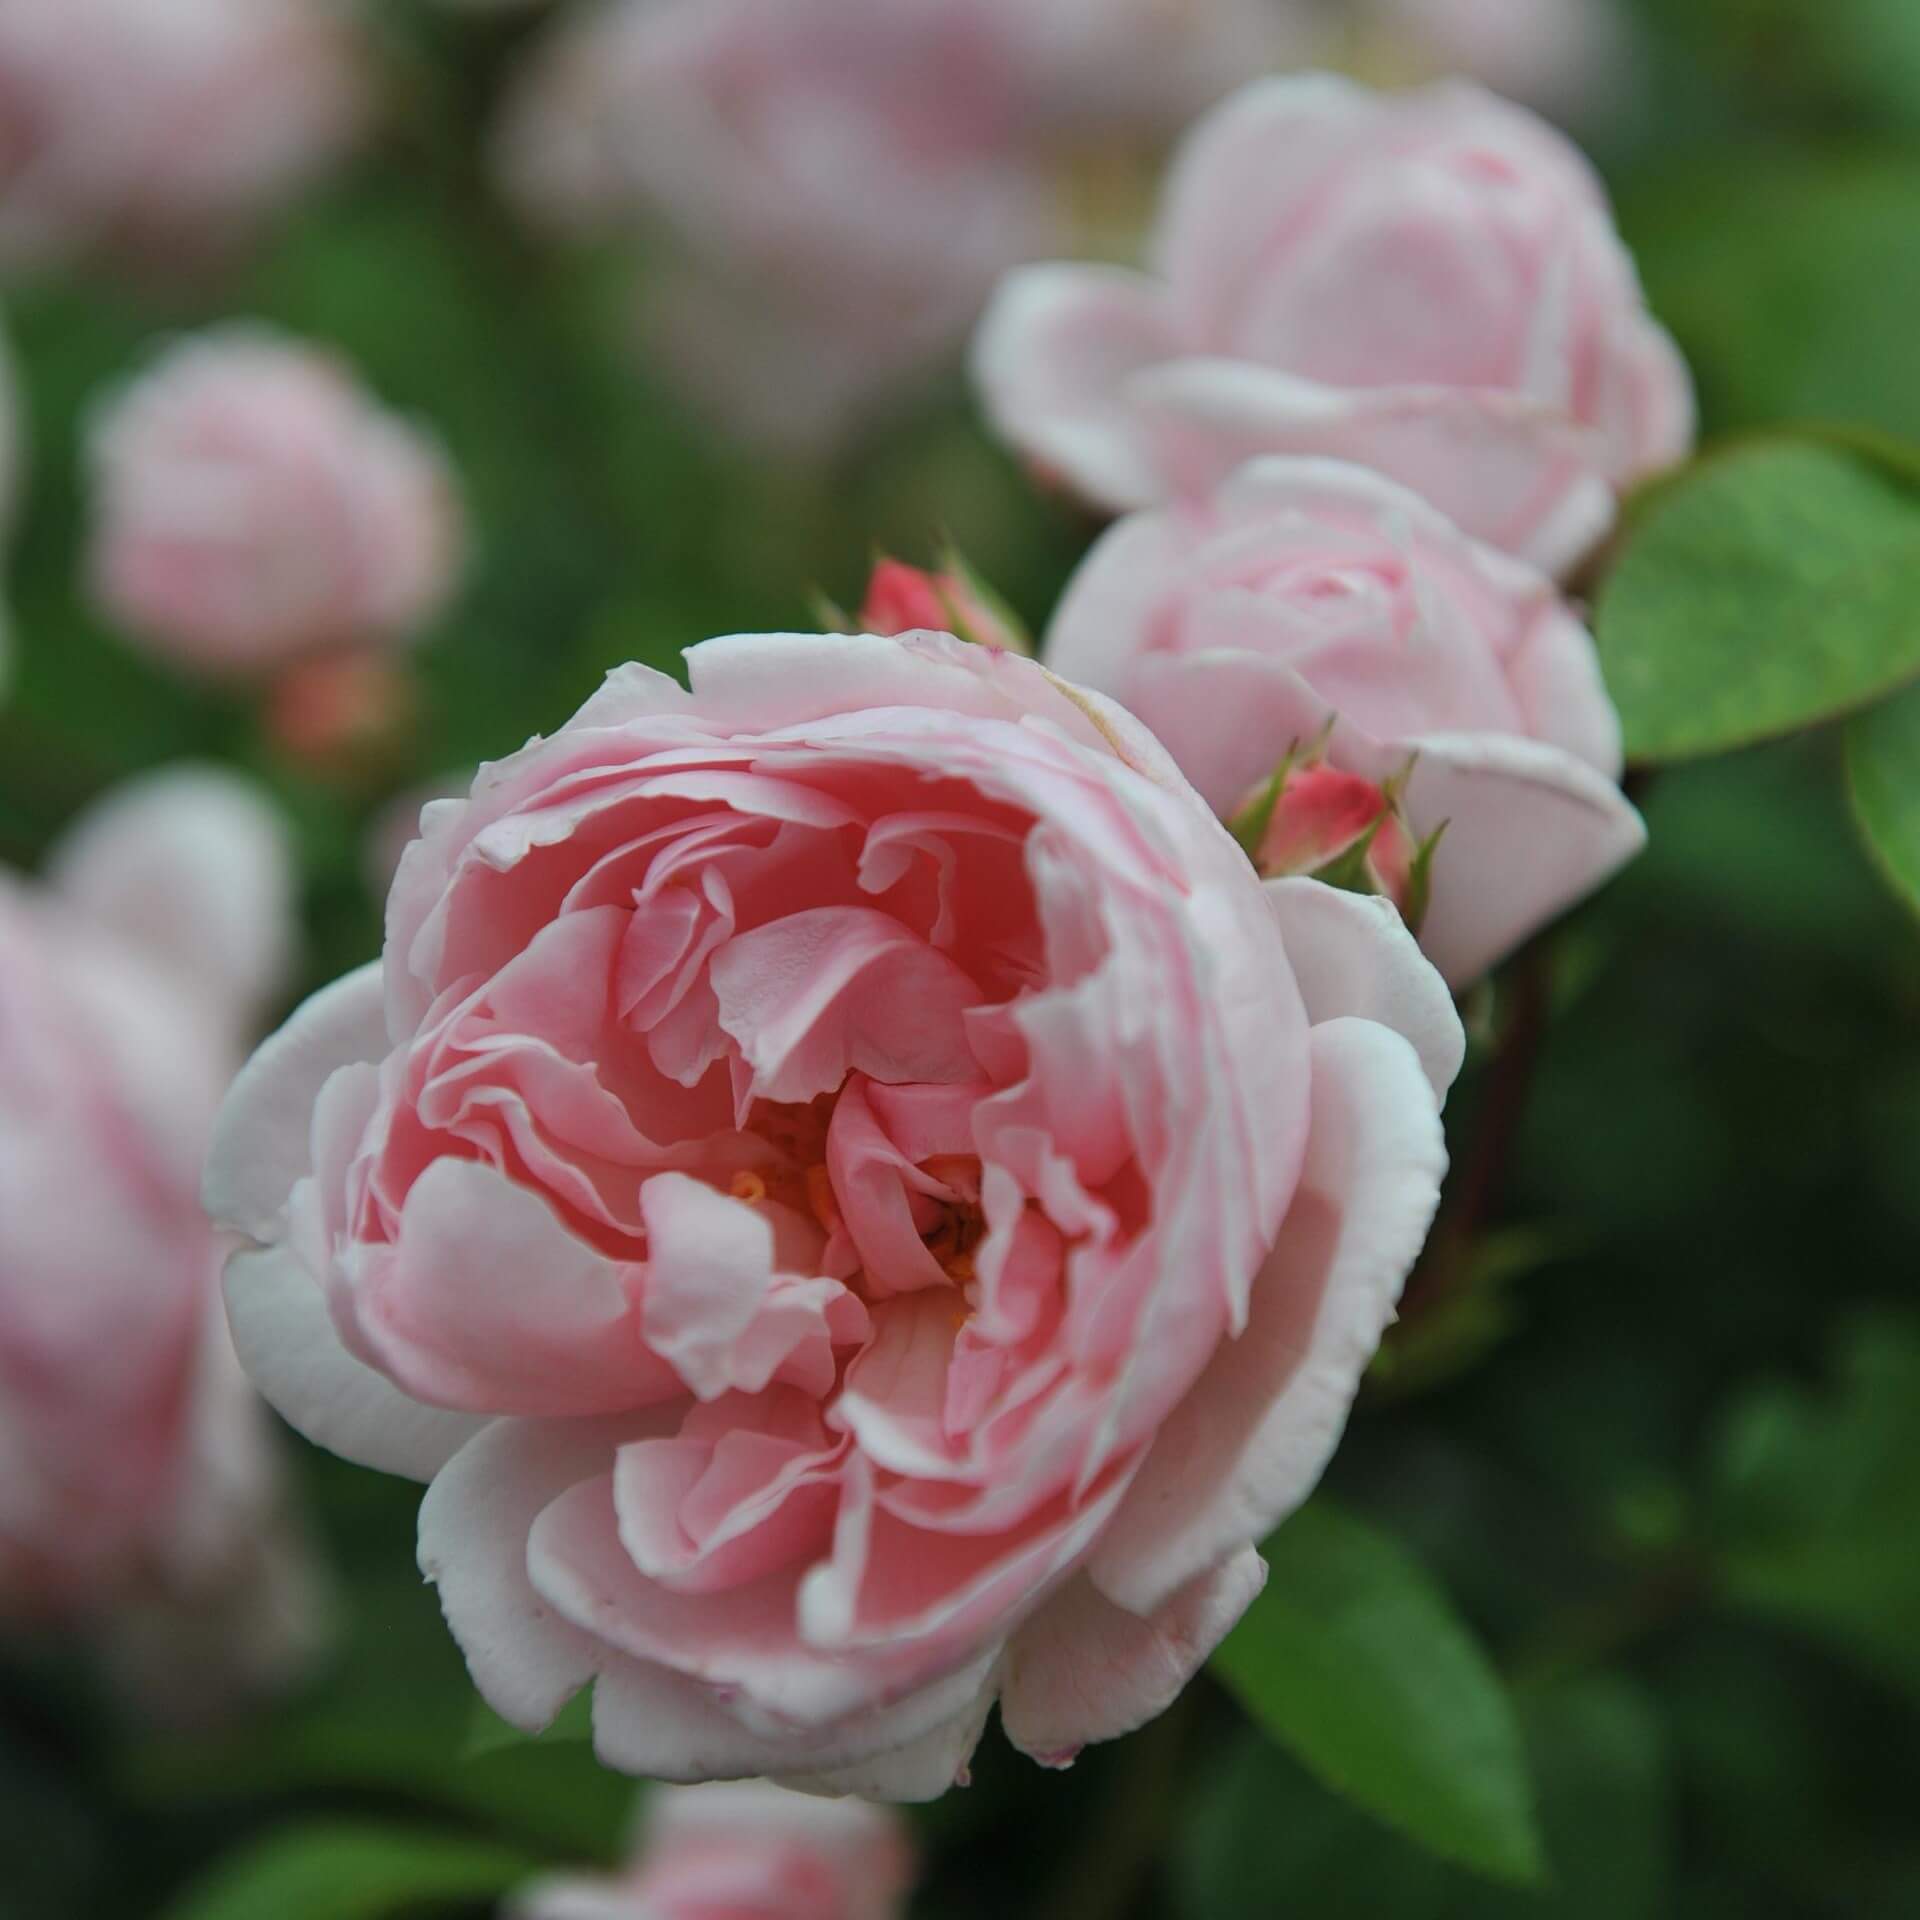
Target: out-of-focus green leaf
column 1816, row 1502
column 351, row 1870
column 1354, row 1658
column 1883, row 777
column 1806, row 312
column 1774, row 587
column 1266, row 1839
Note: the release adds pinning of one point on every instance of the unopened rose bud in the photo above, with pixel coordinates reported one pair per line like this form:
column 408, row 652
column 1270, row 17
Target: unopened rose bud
column 904, row 599
column 339, row 714
column 1314, row 819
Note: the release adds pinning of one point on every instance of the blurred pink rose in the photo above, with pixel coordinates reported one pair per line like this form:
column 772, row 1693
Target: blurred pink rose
column 154, row 128
column 1308, row 595
column 806, row 1186
column 745, row 1851
column 848, row 179
column 253, row 504
column 139, row 1493
column 1427, row 283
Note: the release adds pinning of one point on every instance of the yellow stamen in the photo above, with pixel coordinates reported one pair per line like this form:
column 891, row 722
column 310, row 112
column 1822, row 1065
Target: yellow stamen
column 748, row 1186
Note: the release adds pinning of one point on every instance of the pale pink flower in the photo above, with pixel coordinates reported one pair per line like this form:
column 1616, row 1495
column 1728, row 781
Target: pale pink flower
column 806, row 1185
column 847, row 179
column 252, row 504
column 140, row 1498
column 1314, row 604
column 1428, row 283
column 744, row 1851
column 159, row 129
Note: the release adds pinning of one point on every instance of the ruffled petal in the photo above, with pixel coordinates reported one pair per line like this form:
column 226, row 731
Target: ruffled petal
column 1248, row 1443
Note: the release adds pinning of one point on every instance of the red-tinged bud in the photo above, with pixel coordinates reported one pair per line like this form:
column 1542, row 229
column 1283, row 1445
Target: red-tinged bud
column 904, row 599
column 1315, row 819
column 341, row 714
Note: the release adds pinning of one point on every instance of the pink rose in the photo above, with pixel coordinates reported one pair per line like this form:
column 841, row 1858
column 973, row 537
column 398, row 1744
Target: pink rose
column 847, row 179
column 139, row 1493
column 745, row 1851
column 806, row 1187
column 1311, row 600
column 1427, row 283
column 157, row 127
column 252, row 504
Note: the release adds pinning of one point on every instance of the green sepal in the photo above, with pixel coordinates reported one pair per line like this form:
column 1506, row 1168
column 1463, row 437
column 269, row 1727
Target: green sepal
column 829, row 616
column 1014, row 634
column 1420, row 880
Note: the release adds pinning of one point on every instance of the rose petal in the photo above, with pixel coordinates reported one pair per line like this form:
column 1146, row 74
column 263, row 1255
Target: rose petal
column 1248, row 1443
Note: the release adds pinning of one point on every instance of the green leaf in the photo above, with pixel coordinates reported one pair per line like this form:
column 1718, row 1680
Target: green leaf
column 351, row 1870
column 1815, row 1505
column 1883, row 780
column 1354, row 1658
column 1266, row 1839
column 1774, row 587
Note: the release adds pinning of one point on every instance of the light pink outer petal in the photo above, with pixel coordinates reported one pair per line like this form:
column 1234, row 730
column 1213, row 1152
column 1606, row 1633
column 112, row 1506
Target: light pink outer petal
column 286, row 1341
column 262, row 1139
column 474, row 1523
column 1083, row 1669
column 194, row 866
column 1248, row 1443
column 920, row 1771
column 1352, row 956
column 1555, row 676
column 1051, row 360
column 1530, row 831
column 1508, row 470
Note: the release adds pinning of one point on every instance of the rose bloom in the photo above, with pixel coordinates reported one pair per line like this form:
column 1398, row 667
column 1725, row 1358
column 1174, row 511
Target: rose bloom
column 1313, row 602
column 253, row 504
column 806, row 1185
column 1426, row 283
column 140, row 1499
column 163, row 128
column 847, row 179
column 744, row 1851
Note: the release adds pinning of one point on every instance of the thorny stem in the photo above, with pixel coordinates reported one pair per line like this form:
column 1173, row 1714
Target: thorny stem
column 1476, row 1187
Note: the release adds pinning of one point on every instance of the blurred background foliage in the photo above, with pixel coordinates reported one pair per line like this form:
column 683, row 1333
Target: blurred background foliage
column 1655, row 1440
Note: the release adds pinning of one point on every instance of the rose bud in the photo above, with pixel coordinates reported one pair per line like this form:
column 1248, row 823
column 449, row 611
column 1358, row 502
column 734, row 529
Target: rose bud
column 1340, row 828
column 857, row 1199
column 342, row 714
column 745, row 1851
column 904, row 599
column 253, row 505
column 163, row 131
column 1309, row 603
column 1428, row 284
column 141, row 1504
